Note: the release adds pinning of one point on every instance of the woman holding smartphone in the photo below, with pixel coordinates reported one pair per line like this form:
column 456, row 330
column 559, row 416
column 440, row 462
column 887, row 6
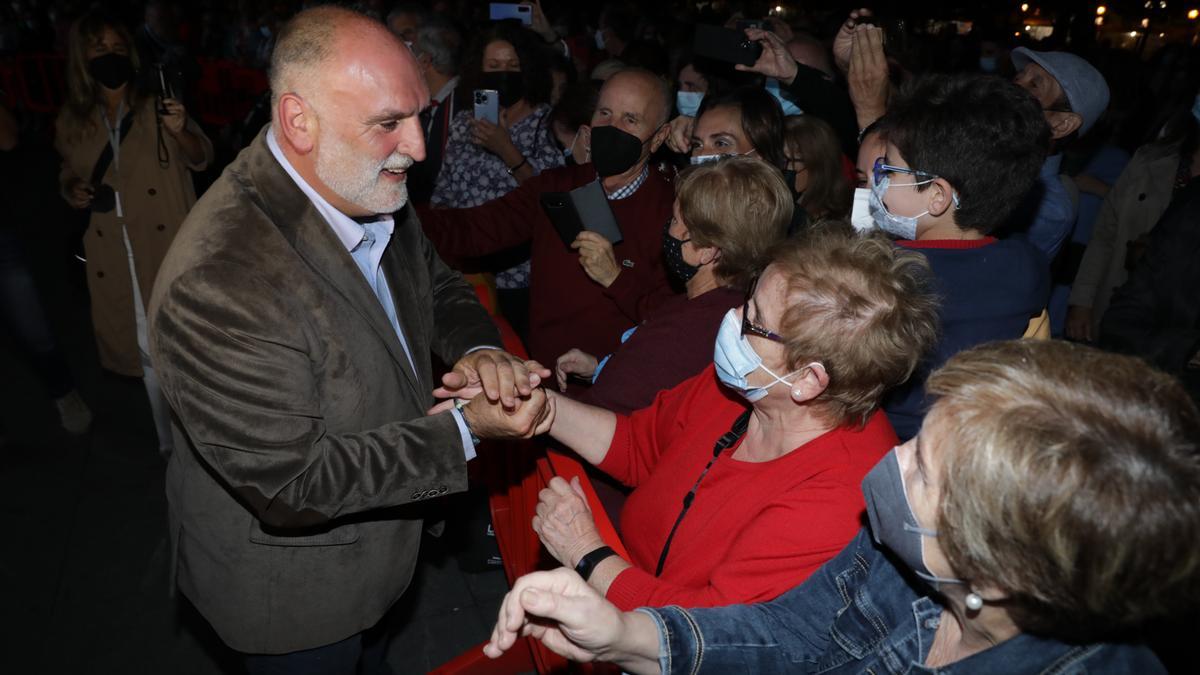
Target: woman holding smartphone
column 128, row 158
column 485, row 160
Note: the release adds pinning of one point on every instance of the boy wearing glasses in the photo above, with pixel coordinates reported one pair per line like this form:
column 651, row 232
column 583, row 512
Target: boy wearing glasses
column 961, row 154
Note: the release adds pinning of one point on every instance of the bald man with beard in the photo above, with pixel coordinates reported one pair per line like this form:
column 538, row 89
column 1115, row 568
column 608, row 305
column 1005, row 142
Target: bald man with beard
column 293, row 321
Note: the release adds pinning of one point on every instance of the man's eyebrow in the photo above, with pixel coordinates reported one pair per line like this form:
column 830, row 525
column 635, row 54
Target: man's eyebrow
column 391, row 116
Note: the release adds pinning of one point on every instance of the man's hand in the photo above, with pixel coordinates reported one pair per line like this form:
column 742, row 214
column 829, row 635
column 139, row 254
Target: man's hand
column 680, row 137
column 775, row 60
column 176, row 118
column 564, row 522
column 574, row 362
column 868, row 76
column 577, row 622
column 1079, row 323
column 495, row 373
column 490, row 420
column 597, row 257
column 843, row 42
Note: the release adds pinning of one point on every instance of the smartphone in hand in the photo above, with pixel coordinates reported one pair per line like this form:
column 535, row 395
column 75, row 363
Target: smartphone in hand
column 487, row 105
column 726, row 44
column 499, row 11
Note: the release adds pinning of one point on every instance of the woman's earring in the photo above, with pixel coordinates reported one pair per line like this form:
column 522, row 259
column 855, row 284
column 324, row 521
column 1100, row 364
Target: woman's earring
column 974, row 602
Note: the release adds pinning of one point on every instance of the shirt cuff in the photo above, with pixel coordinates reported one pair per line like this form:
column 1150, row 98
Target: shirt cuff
column 472, row 350
column 465, row 433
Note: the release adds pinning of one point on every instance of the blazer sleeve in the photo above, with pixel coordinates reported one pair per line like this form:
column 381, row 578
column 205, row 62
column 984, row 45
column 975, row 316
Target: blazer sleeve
column 238, row 373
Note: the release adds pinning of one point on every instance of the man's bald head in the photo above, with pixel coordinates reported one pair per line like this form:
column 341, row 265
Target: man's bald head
column 314, row 39
column 655, row 91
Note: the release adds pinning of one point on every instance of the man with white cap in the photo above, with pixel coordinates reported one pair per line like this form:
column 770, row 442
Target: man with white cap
column 1073, row 95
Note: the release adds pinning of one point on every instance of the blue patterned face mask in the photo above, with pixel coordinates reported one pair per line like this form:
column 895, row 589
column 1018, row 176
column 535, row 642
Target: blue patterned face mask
column 904, row 227
column 688, row 102
column 789, row 108
column 735, row 359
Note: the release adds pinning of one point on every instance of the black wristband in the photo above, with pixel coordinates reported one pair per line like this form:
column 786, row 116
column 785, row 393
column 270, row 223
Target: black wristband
column 514, row 169
column 587, row 564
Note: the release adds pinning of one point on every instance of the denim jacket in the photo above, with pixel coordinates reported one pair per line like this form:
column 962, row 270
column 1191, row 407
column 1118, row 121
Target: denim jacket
column 859, row 614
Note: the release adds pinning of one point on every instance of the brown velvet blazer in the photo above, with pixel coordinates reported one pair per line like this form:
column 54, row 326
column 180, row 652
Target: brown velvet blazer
column 301, row 438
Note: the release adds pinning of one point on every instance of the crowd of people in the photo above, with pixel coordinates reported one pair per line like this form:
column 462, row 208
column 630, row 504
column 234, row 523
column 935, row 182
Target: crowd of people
column 864, row 275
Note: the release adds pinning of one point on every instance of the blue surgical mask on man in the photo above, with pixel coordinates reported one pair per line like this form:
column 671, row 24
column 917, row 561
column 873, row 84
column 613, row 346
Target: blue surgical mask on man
column 688, row 102
column 892, row 521
column 735, row 358
column 789, row 108
column 903, row 227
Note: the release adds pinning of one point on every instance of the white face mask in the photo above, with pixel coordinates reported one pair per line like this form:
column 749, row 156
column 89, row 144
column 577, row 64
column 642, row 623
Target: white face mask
column 860, row 213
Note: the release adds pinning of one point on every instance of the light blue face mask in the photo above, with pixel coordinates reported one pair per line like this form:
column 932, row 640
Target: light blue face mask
column 789, row 108
column 688, row 102
column 735, row 359
column 903, row 227
column 988, row 64
column 1196, row 108
column 600, row 39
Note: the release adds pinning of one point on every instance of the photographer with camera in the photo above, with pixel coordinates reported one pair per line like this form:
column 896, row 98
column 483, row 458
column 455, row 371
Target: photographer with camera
column 126, row 156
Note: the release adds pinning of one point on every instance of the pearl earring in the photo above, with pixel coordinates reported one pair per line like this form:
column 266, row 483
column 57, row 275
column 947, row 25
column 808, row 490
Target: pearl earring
column 974, row 602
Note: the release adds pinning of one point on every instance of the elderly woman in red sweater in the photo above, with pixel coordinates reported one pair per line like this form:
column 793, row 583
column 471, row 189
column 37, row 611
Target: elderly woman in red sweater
column 747, row 476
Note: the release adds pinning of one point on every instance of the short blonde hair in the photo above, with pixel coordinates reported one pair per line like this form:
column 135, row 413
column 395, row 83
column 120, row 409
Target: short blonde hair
column 1071, row 480
column 740, row 205
column 860, row 306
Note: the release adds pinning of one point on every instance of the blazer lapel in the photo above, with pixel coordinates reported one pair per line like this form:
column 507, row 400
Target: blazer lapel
column 395, row 267
column 315, row 242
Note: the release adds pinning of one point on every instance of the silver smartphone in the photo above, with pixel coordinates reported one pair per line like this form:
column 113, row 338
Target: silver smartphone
column 499, row 11
column 487, row 105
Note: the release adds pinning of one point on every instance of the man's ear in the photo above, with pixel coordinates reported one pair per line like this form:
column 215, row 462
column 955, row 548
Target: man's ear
column 297, row 123
column 812, row 381
column 941, row 197
column 1063, row 123
column 660, row 135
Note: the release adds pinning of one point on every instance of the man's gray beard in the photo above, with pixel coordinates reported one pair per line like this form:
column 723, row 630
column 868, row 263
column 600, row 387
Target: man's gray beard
column 347, row 175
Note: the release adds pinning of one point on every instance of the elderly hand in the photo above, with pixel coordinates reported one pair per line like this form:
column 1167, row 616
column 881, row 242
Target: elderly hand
column 176, row 118
column 578, row 622
column 680, row 137
column 564, row 522
column 495, row 139
column 597, row 257
column 775, row 60
column 79, row 194
column 490, row 420
column 868, row 76
column 574, row 362
column 843, row 42
column 495, row 373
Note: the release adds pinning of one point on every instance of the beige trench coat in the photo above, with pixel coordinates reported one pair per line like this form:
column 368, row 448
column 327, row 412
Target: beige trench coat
column 155, row 201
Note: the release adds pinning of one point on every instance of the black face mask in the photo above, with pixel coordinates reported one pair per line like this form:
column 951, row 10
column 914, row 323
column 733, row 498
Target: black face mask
column 509, row 84
column 111, row 70
column 789, row 177
column 614, row 151
column 673, row 254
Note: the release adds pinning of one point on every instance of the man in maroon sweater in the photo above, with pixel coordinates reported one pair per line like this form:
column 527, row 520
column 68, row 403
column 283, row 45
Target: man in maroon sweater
column 588, row 294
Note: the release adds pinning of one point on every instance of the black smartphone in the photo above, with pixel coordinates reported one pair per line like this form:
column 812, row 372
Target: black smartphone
column 584, row 208
column 163, row 85
column 562, row 215
column 726, row 44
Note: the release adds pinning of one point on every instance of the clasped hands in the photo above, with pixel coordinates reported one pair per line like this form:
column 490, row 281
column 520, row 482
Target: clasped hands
column 504, row 394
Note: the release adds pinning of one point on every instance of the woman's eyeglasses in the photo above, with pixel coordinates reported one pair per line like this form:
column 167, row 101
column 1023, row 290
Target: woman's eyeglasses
column 753, row 328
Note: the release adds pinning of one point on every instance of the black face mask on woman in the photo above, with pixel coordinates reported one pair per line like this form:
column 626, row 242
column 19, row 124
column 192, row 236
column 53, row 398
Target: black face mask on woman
column 614, row 151
column 509, row 84
column 111, row 70
column 673, row 254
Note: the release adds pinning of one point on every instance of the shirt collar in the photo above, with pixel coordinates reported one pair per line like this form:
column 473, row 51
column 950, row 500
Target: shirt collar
column 348, row 231
column 446, row 90
column 628, row 190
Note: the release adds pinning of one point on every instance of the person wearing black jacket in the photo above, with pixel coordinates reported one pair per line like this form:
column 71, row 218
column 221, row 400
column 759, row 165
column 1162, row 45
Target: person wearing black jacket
column 1156, row 314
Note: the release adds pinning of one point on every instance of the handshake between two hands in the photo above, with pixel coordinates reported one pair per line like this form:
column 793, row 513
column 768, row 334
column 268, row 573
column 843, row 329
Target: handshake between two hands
column 504, row 394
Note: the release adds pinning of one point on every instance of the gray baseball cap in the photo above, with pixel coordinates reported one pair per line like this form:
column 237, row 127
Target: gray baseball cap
column 1084, row 86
